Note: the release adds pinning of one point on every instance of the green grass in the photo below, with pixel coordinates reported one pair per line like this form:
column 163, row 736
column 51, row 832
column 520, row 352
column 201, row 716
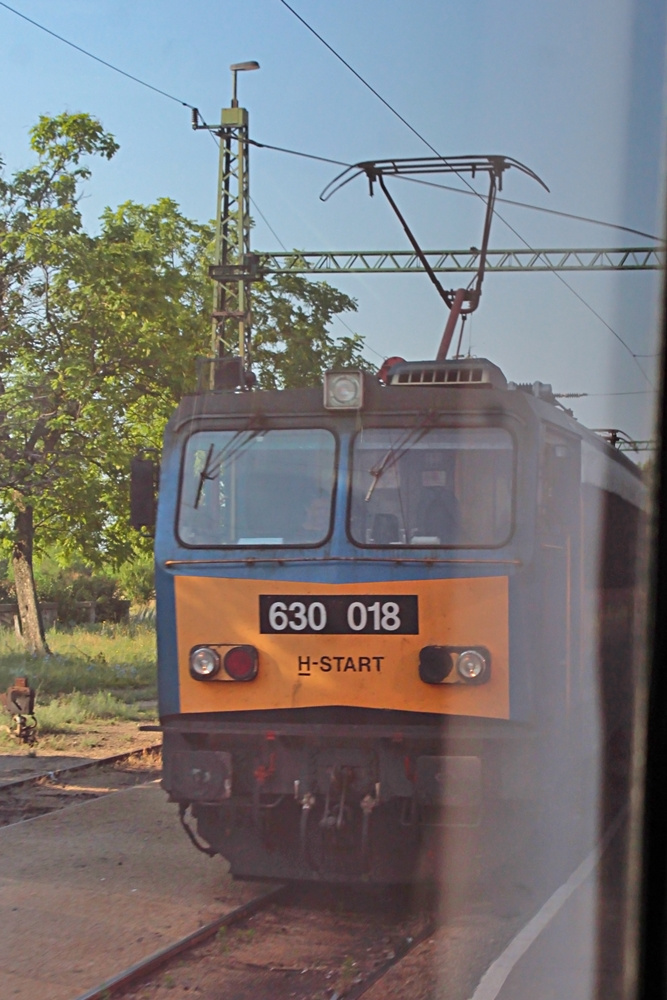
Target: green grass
column 87, row 659
column 61, row 714
column 95, row 672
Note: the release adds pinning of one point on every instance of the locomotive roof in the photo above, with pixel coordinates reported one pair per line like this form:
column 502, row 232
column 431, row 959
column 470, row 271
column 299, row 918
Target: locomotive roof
column 458, row 386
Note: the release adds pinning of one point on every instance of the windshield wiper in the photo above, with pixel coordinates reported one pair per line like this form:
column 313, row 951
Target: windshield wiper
column 396, row 452
column 231, row 450
column 203, row 476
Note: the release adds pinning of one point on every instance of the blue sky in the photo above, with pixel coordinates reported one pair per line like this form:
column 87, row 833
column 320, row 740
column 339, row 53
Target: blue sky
column 573, row 88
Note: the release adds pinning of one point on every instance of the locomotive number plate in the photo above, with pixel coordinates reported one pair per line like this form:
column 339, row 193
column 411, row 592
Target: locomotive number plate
column 395, row 614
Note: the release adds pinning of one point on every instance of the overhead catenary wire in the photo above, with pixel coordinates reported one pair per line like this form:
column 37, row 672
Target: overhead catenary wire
column 469, row 194
column 312, row 156
column 581, row 395
column 297, row 152
column 267, row 224
column 426, row 142
column 386, row 103
column 363, row 81
column 542, row 208
column 91, row 55
column 275, row 235
column 472, row 191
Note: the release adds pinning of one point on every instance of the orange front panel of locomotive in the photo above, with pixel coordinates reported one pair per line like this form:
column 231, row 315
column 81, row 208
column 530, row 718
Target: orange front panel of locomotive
column 376, row 668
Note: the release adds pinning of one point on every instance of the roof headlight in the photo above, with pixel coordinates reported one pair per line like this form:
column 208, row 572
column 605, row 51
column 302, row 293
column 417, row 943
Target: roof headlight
column 343, row 390
column 472, row 666
column 204, row 663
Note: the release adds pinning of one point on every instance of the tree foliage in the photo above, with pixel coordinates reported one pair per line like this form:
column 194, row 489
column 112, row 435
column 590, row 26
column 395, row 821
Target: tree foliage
column 98, row 340
column 293, row 346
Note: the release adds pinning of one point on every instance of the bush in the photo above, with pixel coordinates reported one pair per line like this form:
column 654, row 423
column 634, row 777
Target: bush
column 6, row 586
column 137, row 580
column 73, row 584
column 68, row 586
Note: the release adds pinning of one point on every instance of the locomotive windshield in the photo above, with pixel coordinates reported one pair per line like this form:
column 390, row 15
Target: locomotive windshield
column 432, row 487
column 270, row 487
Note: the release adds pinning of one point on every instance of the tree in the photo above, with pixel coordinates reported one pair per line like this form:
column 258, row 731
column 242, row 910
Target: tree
column 39, row 228
column 98, row 340
column 98, row 336
column 293, row 346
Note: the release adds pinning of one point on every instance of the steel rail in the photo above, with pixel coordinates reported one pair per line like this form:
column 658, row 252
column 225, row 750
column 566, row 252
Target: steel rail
column 574, row 880
column 399, row 954
column 462, row 261
column 116, row 758
column 159, row 958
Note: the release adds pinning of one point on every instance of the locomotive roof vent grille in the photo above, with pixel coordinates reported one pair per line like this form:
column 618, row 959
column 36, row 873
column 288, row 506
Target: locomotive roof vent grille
column 477, row 372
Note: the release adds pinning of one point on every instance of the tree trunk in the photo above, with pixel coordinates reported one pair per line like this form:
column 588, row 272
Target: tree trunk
column 30, row 615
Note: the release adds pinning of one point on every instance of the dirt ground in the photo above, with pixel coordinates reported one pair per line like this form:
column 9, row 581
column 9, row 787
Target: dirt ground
column 330, row 952
column 326, row 955
column 321, row 945
column 100, row 885
column 84, row 743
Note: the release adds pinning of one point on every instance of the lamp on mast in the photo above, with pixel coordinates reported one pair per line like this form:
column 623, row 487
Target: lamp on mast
column 241, row 67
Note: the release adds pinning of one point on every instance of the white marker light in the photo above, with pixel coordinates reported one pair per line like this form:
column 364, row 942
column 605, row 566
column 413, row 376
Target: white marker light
column 471, row 665
column 204, row 663
column 343, row 390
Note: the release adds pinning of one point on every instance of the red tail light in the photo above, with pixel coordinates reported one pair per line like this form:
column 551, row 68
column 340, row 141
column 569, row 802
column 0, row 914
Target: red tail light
column 241, row 663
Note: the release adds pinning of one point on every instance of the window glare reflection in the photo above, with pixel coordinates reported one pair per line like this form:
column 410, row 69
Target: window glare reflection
column 446, row 488
column 243, row 488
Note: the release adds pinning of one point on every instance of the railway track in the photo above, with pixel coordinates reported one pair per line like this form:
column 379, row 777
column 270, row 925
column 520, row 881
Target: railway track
column 45, row 792
column 290, row 941
column 358, row 941
column 319, row 943
column 105, row 862
column 119, row 983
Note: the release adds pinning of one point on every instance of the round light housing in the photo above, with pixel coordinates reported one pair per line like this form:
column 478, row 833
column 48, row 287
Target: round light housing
column 204, row 663
column 435, row 664
column 472, row 666
column 343, row 390
column 241, row 663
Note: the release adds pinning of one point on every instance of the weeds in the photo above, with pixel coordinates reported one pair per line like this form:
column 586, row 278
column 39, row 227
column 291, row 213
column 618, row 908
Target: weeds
column 222, row 939
column 59, row 715
column 88, row 658
column 347, row 975
column 101, row 672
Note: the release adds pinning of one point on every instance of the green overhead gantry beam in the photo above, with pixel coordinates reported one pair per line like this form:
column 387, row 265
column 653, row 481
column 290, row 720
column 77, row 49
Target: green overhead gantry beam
column 461, row 261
